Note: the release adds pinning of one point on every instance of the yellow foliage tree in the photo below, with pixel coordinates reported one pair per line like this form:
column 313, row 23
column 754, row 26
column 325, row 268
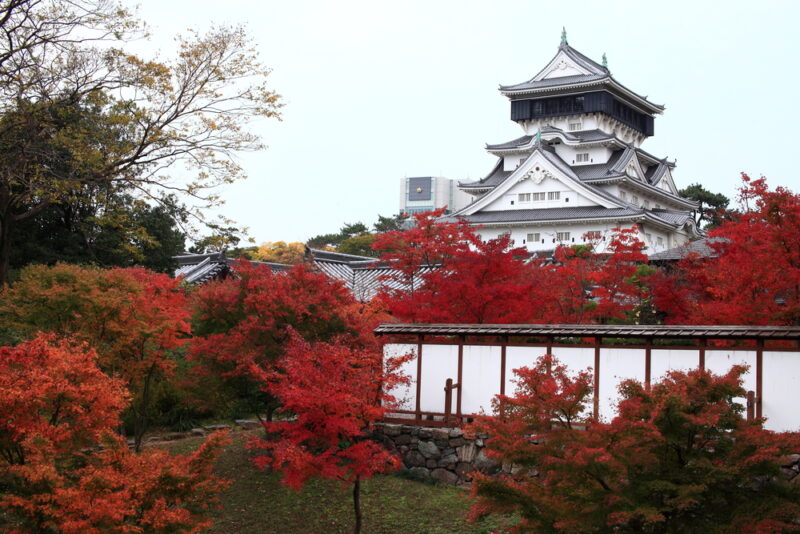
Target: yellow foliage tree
column 280, row 252
column 75, row 110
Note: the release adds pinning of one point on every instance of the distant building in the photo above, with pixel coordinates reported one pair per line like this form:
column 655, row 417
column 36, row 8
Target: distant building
column 427, row 193
column 579, row 170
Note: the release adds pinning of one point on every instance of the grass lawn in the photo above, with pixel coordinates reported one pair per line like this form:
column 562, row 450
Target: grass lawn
column 256, row 502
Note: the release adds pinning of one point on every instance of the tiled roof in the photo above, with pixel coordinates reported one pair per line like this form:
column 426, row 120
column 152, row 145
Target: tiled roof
column 555, row 82
column 612, row 331
column 516, row 143
column 496, row 177
column 597, row 74
column 702, row 247
column 585, row 136
column 549, row 214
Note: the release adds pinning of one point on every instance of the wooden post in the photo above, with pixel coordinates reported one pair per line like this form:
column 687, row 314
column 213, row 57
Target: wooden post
column 751, row 401
column 759, row 377
column 702, row 342
column 648, row 357
column 448, row 399
column 460, row 368
column 596, row 404
column 503, row 347
column 418, row 407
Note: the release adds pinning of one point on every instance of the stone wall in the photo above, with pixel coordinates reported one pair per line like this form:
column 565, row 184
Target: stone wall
column 448, row 456
column 443, row 454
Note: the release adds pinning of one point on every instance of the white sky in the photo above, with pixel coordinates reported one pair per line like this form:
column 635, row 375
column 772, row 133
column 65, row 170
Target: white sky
column 379, row 90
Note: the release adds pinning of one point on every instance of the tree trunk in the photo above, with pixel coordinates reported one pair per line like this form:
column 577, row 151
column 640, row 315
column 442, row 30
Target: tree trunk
column 5, row 248
column 357, row 505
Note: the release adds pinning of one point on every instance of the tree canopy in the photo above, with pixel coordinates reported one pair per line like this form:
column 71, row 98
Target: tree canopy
column 75, row 110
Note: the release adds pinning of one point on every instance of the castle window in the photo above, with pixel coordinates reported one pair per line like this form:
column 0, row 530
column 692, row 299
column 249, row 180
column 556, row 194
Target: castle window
column 534, row 237
column 524, row 197
column 562, row 236
column 553, row 195
column 647, row 204
column 635, row 200
column 537, row 196
column 623, row 195
column 583, row 157
column 575, row 126
column 660, row 241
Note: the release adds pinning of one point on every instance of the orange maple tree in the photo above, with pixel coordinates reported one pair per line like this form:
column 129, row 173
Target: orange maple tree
column 136, row 319
column 64, row 470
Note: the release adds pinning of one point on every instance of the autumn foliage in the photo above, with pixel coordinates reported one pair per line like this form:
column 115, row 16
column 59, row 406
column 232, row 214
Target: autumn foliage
column 136, row 319
column 334, row 391
column 242, row 326
column 754, row 277
column 679, row 458
column 64, row 469
column 476, row 281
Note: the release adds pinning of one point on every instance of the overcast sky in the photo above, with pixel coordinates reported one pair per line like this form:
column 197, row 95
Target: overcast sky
column 376, row 91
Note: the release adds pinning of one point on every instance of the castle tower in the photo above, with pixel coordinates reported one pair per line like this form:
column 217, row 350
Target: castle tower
column 579, row 171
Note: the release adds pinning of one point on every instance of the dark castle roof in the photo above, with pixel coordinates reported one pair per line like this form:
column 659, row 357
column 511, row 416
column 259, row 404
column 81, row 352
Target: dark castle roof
column 597, row 75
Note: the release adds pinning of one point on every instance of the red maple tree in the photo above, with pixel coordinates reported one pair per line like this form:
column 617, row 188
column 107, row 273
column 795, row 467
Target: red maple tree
column 476, row 281
column 242, row 324
column 754, row 276
column 64, row 470
column 679, row 458
column 335, row 392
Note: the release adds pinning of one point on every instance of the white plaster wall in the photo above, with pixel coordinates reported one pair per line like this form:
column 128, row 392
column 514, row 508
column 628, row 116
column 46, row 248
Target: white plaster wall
column 548, row 233
column 439, row 362
column 781, row 382
column 662, row 361
column 405, row 394
column 597, row 154
column 721, row 361
column 617, row 365
column 576, row 359
column 512, row 161
column 480, row 376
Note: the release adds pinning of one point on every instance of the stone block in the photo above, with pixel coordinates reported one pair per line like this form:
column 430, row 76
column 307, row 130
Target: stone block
column 466, row 453
column 420, row 472
column 790, row 460
column 431, row 463
column 198, row 432
column 456, row 432
column 248, row 424
column 392, row 430
column 428, row 449
column 414, row 459
column 463, row 469
column 402, row 439
column 448, row 461
column 457, row 442
column 440, row 434
column 484, row 464
column 444, row 476
column 173, row 436
column 214, row 428
column 425, row 433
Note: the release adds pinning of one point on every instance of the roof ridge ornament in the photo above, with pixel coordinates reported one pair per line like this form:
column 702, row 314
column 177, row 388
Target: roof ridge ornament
column 605, row 60
column 564, row 36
